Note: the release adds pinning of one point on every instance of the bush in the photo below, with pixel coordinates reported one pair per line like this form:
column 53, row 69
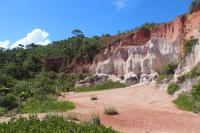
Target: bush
column 182, row 78
column 190, row 101
column 184, row 101
column 172, row 88
column 167, row 72
column 9, row 101
column 94, row 98
column 188, row 45
column 195, row 92
column 110, row 111
column 168, row 69
column 2, row 111
column 50, row 125
column 104, row 86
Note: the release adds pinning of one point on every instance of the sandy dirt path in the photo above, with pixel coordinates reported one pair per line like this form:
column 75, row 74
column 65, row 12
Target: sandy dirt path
column 142, row 109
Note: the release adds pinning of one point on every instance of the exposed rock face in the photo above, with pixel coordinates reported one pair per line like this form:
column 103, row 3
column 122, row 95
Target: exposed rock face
column 147, row 50
column 190, row 60
column 96, row 79
column 141, row 52
column 137, row 59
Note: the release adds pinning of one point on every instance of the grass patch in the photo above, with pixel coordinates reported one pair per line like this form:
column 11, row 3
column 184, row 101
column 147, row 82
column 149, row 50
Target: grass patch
column 172, row 88
column 36, row 106
column 99, row 87
column 110, row 111
column 50, row 125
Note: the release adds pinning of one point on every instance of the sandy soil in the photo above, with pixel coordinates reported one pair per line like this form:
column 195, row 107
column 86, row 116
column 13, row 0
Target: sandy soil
column 142, row 109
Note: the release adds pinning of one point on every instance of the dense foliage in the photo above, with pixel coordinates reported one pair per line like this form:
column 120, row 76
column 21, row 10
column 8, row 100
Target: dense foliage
column 190, row 101
column 98, row 87
column 50, row 125
column 25, row 81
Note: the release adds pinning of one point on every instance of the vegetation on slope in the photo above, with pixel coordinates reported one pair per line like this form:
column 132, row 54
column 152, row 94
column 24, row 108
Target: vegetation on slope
column 188, row 45
column 190, row 101
column 172, row 88
column 99, row 87
column 144, row 26
column 167, row 71
column 50, row 125
column 195, row 72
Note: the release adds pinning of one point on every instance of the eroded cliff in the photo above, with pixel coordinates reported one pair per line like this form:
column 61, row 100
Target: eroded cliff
column 147, row 50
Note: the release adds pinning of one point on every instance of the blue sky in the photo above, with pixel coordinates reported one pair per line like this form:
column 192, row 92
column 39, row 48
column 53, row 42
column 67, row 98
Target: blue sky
column 43, row 21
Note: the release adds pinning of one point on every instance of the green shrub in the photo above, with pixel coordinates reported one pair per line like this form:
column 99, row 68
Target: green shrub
column 110, row 111
column 190, row 101
column 50, row 125
column 2, row 111
column 195, row 92
column 184, row 101
column 194, row 72
column 182, row 78
column 36, row 106
column 167, row 72
column 188, row 45
column 168, row 69
column 9, row 101
column 172, row 88
column 104, row 86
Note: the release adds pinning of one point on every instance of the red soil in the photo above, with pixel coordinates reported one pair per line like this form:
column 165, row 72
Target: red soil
column 142, row 109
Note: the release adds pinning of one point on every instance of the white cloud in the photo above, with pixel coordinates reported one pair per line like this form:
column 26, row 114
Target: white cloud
column 119, row 4
column 37, row 36
column 4, row 44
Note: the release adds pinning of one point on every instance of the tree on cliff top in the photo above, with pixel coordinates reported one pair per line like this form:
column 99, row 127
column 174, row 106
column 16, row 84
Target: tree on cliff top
column 195, row 5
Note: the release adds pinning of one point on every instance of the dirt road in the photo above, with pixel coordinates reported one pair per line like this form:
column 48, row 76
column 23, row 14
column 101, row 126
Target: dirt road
column 142, row 109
